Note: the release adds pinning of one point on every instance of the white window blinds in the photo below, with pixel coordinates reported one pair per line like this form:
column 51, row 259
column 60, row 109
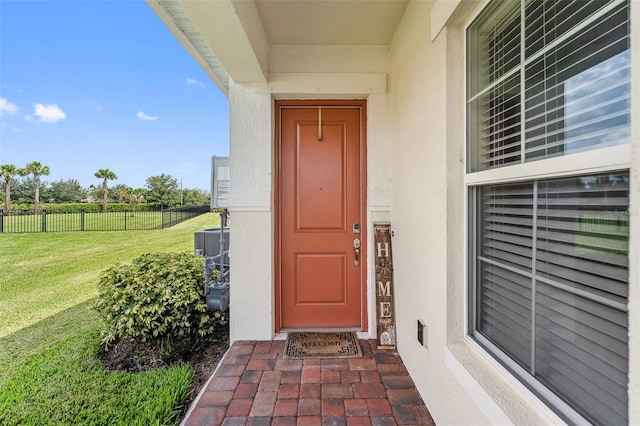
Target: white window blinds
column 553, row 83
column 552, row 285
column 506, row 255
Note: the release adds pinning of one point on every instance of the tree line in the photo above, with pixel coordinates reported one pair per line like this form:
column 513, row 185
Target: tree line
column 25, row 186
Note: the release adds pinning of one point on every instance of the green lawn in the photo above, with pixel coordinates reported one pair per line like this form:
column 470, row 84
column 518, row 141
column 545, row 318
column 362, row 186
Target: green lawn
column 49, row 333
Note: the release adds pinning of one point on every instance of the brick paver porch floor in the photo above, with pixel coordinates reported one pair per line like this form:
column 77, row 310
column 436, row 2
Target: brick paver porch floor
column 254, row 385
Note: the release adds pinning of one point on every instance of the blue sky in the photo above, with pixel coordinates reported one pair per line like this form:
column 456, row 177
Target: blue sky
column 91, row 84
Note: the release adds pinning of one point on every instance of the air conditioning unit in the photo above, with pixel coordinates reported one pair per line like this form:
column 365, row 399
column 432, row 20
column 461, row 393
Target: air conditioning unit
column 207, row 243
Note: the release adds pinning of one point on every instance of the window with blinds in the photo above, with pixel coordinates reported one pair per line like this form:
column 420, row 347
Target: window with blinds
column 551, row 83
column 552, row 284
column 548, row 256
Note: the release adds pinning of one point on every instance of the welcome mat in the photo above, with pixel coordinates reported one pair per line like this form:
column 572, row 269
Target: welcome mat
column 301, row 345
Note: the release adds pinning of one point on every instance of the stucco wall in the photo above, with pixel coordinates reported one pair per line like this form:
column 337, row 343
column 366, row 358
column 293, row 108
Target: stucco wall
column 250, row 201
column 378, row 185
column 417, row 92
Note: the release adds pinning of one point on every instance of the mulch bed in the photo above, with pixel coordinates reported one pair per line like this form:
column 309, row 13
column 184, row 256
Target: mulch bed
column 134, row 357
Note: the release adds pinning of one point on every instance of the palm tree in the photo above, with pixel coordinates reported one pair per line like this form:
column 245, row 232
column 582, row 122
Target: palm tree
column 106, row 175
column 8, row 171
column 37, row 169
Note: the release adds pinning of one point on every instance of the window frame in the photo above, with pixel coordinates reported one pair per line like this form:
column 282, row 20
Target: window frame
column 594, row 161
column 520, row 71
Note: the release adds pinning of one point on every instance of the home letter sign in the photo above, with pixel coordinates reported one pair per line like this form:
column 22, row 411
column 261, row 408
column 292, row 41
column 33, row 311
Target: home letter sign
column 384, row 286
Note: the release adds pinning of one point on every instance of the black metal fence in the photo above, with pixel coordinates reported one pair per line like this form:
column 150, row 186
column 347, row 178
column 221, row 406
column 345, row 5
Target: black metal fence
column 27, row 221
column 174, row 216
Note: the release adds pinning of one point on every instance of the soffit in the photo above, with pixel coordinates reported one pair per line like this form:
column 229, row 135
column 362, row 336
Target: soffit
column 232, row 38
column 330, row 22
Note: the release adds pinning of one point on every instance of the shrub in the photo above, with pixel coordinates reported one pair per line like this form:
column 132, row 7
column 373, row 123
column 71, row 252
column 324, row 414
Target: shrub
column 158, row 297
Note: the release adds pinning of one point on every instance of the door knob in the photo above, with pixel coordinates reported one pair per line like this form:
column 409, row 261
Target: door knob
column 356, row 246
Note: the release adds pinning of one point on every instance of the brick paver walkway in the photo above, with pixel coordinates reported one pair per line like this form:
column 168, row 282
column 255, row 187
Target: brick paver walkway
column 254, row 385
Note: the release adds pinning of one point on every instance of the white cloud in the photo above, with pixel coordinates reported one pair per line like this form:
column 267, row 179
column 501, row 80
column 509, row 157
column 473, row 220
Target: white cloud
column 7, row 108
column 194, row 82
column 142, row 116
column 48, row 113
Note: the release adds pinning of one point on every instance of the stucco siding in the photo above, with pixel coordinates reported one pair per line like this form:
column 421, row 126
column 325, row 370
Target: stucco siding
column 250, row 204
column 251, row 293
column 417, row 92
column 378, row 185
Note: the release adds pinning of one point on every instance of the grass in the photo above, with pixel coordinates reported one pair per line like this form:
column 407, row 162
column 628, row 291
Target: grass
column 43, row 273
column 49, row 332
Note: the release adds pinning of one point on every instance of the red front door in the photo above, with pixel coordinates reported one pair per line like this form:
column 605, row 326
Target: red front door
column 320, row 213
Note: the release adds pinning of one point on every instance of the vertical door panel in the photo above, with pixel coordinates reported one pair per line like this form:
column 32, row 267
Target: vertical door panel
column 321, row 169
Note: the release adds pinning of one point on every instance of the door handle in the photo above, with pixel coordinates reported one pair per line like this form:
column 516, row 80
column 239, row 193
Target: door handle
column 356, row 247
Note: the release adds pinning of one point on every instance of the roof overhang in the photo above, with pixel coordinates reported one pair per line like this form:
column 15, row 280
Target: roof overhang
column 233, row 39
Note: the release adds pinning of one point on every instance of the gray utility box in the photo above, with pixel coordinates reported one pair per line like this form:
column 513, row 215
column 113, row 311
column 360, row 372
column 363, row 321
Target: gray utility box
column 208, row 241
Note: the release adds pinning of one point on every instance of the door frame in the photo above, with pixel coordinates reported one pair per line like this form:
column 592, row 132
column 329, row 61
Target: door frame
column 359, row 103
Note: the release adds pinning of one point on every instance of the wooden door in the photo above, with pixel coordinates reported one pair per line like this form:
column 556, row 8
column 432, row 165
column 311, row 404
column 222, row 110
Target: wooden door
column 321, row 198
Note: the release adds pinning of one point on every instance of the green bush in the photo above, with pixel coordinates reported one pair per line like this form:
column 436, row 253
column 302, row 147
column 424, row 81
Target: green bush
column 158, row 297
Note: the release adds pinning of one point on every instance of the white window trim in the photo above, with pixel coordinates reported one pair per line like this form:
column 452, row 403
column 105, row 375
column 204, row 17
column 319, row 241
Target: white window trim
column 593, row 161
column 485, row 381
